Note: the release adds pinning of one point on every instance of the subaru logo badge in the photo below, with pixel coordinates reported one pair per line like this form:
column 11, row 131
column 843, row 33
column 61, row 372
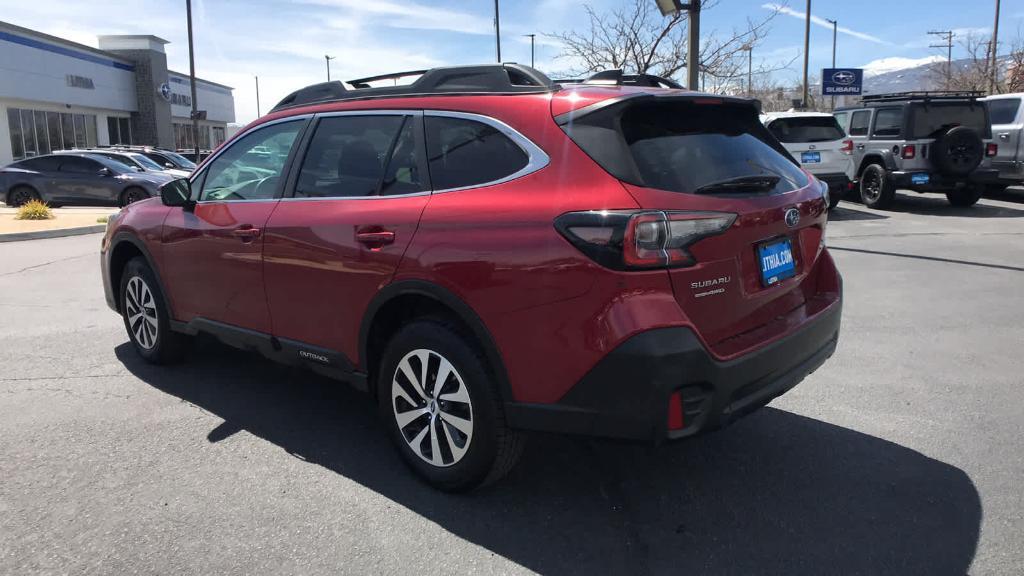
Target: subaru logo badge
column 792, row 217
column 165, row 91
column 844, row 77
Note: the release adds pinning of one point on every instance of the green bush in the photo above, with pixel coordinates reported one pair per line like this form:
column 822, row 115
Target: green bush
column 34, row 210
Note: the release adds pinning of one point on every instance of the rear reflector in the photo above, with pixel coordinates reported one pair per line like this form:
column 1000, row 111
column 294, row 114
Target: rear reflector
column 675, row 411
column 992, row 149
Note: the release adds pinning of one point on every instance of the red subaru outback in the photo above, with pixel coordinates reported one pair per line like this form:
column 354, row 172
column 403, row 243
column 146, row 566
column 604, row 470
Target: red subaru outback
column 487, row 252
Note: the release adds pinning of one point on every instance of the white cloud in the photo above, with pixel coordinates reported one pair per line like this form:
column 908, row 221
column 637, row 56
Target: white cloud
column 781, row 9
column 411, row 15
column 894, row 63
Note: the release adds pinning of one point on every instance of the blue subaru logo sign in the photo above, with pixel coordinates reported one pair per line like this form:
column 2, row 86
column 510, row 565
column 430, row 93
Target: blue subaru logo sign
column 842, row 81
column 165, row 91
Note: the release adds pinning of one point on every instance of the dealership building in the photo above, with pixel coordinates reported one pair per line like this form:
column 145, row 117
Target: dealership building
column 56, row 94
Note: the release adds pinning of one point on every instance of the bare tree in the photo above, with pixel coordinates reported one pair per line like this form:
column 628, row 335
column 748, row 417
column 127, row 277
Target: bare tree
column 637, row 39
column 974, row 71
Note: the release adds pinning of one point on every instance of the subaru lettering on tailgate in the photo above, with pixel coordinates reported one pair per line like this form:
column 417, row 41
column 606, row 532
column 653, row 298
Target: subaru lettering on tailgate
column 776, row 260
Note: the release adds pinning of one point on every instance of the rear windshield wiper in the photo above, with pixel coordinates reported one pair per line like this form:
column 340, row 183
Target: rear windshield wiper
column 759, row 183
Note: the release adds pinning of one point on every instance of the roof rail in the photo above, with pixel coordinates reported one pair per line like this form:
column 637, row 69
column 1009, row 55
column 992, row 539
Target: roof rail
column 507, row 78
column 923, row 95
column 615, row 77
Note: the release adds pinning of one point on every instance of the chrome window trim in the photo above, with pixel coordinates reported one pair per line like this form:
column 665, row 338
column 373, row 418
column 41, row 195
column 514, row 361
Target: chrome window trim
column 536, row 158
column 209, row 161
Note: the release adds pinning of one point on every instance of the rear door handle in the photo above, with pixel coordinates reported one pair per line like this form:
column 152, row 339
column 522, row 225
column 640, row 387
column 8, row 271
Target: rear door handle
column 246, row 233
column 374, row 237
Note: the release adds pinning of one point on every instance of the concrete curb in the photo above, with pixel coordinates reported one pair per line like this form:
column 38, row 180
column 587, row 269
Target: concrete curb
column 58, row 233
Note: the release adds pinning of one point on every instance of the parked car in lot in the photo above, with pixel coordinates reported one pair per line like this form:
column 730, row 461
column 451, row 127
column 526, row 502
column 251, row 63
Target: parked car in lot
column 1007, row 121
column 487, row 252
column 77, row 178
column 132, row 159
column 819, row 144
column 921, row 141
column 166, row 158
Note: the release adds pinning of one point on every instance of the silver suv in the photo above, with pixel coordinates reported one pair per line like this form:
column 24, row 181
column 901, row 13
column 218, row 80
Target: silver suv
column 921, row 141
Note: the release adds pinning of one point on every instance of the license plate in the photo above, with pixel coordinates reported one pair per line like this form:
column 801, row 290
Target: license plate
column 776, row 260
column 810, row 157
column 919, row 178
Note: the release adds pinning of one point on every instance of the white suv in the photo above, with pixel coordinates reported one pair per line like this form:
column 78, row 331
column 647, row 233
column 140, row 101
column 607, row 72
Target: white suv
column 816, row 141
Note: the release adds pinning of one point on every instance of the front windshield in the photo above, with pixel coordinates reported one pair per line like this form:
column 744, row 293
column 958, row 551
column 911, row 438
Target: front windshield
column 181, row 160
column 146, row 162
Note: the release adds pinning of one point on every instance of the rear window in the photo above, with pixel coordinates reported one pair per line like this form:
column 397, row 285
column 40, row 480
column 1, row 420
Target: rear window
column 682, row 146
column 1003, row 111
column 928, row 121
column 806, row 129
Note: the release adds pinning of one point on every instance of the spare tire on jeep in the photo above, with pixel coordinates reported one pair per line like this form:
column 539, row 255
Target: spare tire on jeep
column 958, row 151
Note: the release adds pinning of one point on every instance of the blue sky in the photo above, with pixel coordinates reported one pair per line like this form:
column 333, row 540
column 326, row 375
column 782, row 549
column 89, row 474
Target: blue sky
column 285, row 42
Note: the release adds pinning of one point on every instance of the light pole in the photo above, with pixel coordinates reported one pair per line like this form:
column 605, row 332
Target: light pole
column 257, row 96
column 328, row 60
column 807, row 43
column 995, row 52
column 497, row 31
column 673, row 7
column 192, row 81
column 531, row 37
column 835, row 28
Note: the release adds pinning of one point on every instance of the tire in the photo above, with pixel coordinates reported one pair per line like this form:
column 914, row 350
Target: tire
column 20, row 195
column 133, row 194
column 876, row 191
column 958, row 151
column 834, row 198
column 467, row 409
column 965, row 197
column 149, row 332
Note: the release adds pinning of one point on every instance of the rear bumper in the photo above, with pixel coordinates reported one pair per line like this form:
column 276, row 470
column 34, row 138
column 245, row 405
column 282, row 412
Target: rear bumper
column 941, row 182
column 627, row 394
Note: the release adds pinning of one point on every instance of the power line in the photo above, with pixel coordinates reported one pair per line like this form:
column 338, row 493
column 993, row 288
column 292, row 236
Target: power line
column 947, row 35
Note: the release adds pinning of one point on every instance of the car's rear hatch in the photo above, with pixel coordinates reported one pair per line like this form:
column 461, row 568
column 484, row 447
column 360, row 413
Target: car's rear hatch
column 816, row 142
column 682, row 154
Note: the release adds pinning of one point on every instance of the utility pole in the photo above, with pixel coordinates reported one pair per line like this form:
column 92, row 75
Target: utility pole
column 835, row 30
column 497, row 31
column 995, row 52
column 328, row 59
column 946, row 35
column 807, row 43
column 531, row 37
column 749, row 48
column 192, row 81
column 257, row 96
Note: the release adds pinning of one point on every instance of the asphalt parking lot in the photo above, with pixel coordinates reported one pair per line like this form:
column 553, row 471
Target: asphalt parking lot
column 902, row 455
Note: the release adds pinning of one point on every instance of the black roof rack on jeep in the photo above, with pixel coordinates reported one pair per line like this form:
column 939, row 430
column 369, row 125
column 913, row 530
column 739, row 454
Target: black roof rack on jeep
column 507, row 78
column 615, row 77
column 923, row 95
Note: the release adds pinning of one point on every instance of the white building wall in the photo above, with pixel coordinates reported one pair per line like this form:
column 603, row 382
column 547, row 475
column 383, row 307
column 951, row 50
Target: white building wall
column 35, row 70
column 218, row 101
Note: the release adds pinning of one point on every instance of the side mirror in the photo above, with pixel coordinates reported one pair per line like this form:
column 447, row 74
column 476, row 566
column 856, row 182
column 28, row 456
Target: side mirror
column 104, row 171
column 178, row 192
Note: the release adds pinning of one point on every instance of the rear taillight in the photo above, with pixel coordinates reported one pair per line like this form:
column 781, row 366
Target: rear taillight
column 847, row 147
column 909, row 151
column 991, row 149
column 640, row 239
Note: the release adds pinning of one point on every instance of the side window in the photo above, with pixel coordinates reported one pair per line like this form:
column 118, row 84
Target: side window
column 1003, row 110
column 464, row 152
column 358, row 155
column 40, row 164
column 888, row 122
column 251, row 168
column 859, row 123
column 79, row 165
column 841, row 118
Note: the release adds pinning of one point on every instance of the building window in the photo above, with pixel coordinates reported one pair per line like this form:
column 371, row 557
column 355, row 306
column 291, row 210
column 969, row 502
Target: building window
column 218, row 136
column 36, row 132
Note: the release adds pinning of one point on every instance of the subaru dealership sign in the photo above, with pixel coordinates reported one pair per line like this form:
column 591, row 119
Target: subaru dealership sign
column 842, row 81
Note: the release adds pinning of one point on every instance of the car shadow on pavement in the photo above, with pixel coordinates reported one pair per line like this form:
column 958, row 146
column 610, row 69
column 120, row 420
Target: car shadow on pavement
column 937, row 205
column 1009, row 195
column 775, row 493
column 841, row 213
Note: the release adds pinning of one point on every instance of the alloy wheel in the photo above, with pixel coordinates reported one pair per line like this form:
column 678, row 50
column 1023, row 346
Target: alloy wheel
column 140, row 306
column 21, row 196
column 432, row 407
column 872, row 186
